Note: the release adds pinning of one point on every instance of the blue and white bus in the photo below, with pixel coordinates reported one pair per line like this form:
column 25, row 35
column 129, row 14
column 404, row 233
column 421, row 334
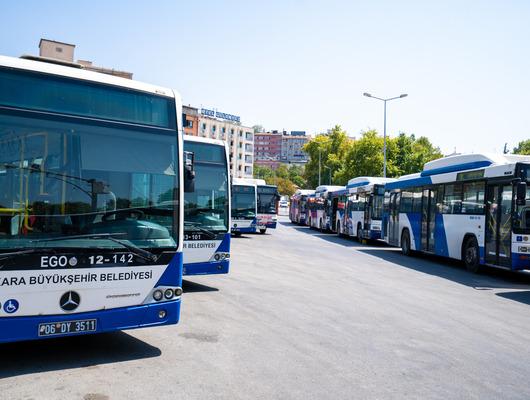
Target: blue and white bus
column 364, row 208
column 470, row 207
column 244, row 206
column 207, row 209
column 91, row 193
column 320, row 207
column 267, row 206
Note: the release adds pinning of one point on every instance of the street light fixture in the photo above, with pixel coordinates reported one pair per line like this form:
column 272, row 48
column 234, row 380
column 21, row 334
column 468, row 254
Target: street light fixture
column 384, row 129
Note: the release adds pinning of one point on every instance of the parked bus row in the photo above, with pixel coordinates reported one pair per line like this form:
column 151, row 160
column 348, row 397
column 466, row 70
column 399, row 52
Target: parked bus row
column 470, row 207
column 105, row 204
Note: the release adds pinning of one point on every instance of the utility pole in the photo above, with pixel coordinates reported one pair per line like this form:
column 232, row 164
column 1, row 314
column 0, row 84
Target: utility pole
column 319, row 161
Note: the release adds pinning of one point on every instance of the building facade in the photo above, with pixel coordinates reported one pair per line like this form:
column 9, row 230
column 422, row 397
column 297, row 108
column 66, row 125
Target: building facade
column 274, row 148
column 216, row 125
column 64, row 52
column 190, row 120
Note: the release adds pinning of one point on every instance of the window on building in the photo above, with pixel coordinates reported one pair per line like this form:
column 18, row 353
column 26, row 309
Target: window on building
column 214, row 128
column 203, row 126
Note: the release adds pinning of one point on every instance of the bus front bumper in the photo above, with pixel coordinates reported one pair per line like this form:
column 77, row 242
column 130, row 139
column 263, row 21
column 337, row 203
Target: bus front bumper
column 207, row 268
column 14, row 329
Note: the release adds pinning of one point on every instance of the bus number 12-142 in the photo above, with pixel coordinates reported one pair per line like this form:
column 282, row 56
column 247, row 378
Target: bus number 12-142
column 116, row 259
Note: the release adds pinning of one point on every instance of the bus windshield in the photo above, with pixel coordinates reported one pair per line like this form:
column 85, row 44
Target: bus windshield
column 207, row 206
column 267, row 199
column 243, row 201
column 62, row 179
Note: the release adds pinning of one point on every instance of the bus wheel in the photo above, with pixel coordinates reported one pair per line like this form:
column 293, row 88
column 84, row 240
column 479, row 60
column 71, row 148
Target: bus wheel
column 359, row 234
column 339, row 233
column 470, row 255
column 262, row 231
column 321, row 227
column 405, row 243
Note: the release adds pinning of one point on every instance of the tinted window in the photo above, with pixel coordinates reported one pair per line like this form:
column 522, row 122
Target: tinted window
column 452, row 200
column 473, row 202
column 82, row 98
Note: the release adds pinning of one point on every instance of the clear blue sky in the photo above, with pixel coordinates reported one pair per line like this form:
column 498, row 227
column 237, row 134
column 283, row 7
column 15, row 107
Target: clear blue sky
column 303, row 65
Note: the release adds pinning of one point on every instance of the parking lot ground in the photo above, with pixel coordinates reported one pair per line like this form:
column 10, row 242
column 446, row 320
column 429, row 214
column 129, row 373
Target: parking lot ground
column 304, row 315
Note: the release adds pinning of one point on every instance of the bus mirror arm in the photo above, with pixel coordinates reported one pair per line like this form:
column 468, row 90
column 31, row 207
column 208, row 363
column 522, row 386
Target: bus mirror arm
column 521, row 193
column 189, row 172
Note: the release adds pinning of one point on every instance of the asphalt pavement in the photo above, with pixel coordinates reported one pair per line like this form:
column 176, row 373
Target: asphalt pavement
column 304, row 315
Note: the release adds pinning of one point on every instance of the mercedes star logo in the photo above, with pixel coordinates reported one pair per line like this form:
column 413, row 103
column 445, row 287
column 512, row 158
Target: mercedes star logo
column 70, row 301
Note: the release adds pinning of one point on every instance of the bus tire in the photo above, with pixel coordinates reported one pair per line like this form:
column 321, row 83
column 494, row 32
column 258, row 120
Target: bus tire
column 339, row 233
column 310, row 223
column 359, row 233
column 262, row 231
column 321, row 227
column 470, row 255
column 405, row 243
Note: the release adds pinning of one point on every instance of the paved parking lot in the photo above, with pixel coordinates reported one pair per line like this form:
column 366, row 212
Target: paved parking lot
column 304, row 315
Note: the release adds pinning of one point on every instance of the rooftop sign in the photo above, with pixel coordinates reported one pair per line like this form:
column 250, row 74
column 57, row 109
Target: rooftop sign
column 221, row 115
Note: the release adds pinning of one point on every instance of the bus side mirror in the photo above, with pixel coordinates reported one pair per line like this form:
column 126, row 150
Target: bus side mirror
column 189, row 172
column 521, row 194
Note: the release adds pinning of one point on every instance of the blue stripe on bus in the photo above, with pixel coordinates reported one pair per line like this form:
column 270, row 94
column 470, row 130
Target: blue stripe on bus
column 520, row 261
column 415, row 225
column 440, row 239
column 172, row 276
column 419, row 181
column 26, row 328
column 457, row 167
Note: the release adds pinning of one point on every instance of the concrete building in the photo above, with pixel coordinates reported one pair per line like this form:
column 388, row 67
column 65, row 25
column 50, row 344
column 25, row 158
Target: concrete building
column 190, row 120
column 274, row 148
column 268, row 148
column 217, row 125
column 64, row 52
column 292, row 145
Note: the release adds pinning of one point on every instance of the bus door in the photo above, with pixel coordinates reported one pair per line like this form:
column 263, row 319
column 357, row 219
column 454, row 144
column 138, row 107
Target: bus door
column 368, row 211
column 498, row 224
column 428, row 218
column 393, row 225
column 333, row 218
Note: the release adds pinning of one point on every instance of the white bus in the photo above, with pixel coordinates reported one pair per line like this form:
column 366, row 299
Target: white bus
column 244, row 206
column 363, row 208
column 207, row 209
column 471, row 207
column 267, row 206
column 91, row 194
column 320, row 209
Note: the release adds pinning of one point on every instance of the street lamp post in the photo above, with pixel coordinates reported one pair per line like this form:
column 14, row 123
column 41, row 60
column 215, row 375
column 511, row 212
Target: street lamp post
column 384, row 124
column 329, row 174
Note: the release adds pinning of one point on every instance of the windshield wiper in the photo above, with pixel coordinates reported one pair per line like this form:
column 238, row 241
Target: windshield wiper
column 137, row 251
column 209, row 233
column 5, row 256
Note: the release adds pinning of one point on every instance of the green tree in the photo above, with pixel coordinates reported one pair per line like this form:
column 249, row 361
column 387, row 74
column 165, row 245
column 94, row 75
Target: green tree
column 330, row 148
column 263, row 172
column 258, row 129
column 412, row 153
column 523, row 147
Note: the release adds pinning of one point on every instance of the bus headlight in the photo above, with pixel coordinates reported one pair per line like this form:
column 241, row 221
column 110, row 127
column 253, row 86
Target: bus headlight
column 158, row 295
column 178, row 292
column 217, row 257
column 168, row 294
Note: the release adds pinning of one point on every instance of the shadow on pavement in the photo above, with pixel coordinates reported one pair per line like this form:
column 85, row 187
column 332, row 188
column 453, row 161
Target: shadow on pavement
column 82, row 351
column 520, row 296
column 450, row 269
column 194, row 287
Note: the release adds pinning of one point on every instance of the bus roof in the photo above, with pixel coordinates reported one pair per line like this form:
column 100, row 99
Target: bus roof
column 327, row 188
column 198, row 139
column 304, row 192
column 243, row 182
column 446, row 169
column 365, row 182
column 80, row 73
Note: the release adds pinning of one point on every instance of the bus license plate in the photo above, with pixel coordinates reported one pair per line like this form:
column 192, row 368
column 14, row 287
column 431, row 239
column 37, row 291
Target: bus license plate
column 67, row 327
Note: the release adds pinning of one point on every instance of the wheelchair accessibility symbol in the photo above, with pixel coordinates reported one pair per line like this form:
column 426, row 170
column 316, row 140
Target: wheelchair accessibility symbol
column 11, row 306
